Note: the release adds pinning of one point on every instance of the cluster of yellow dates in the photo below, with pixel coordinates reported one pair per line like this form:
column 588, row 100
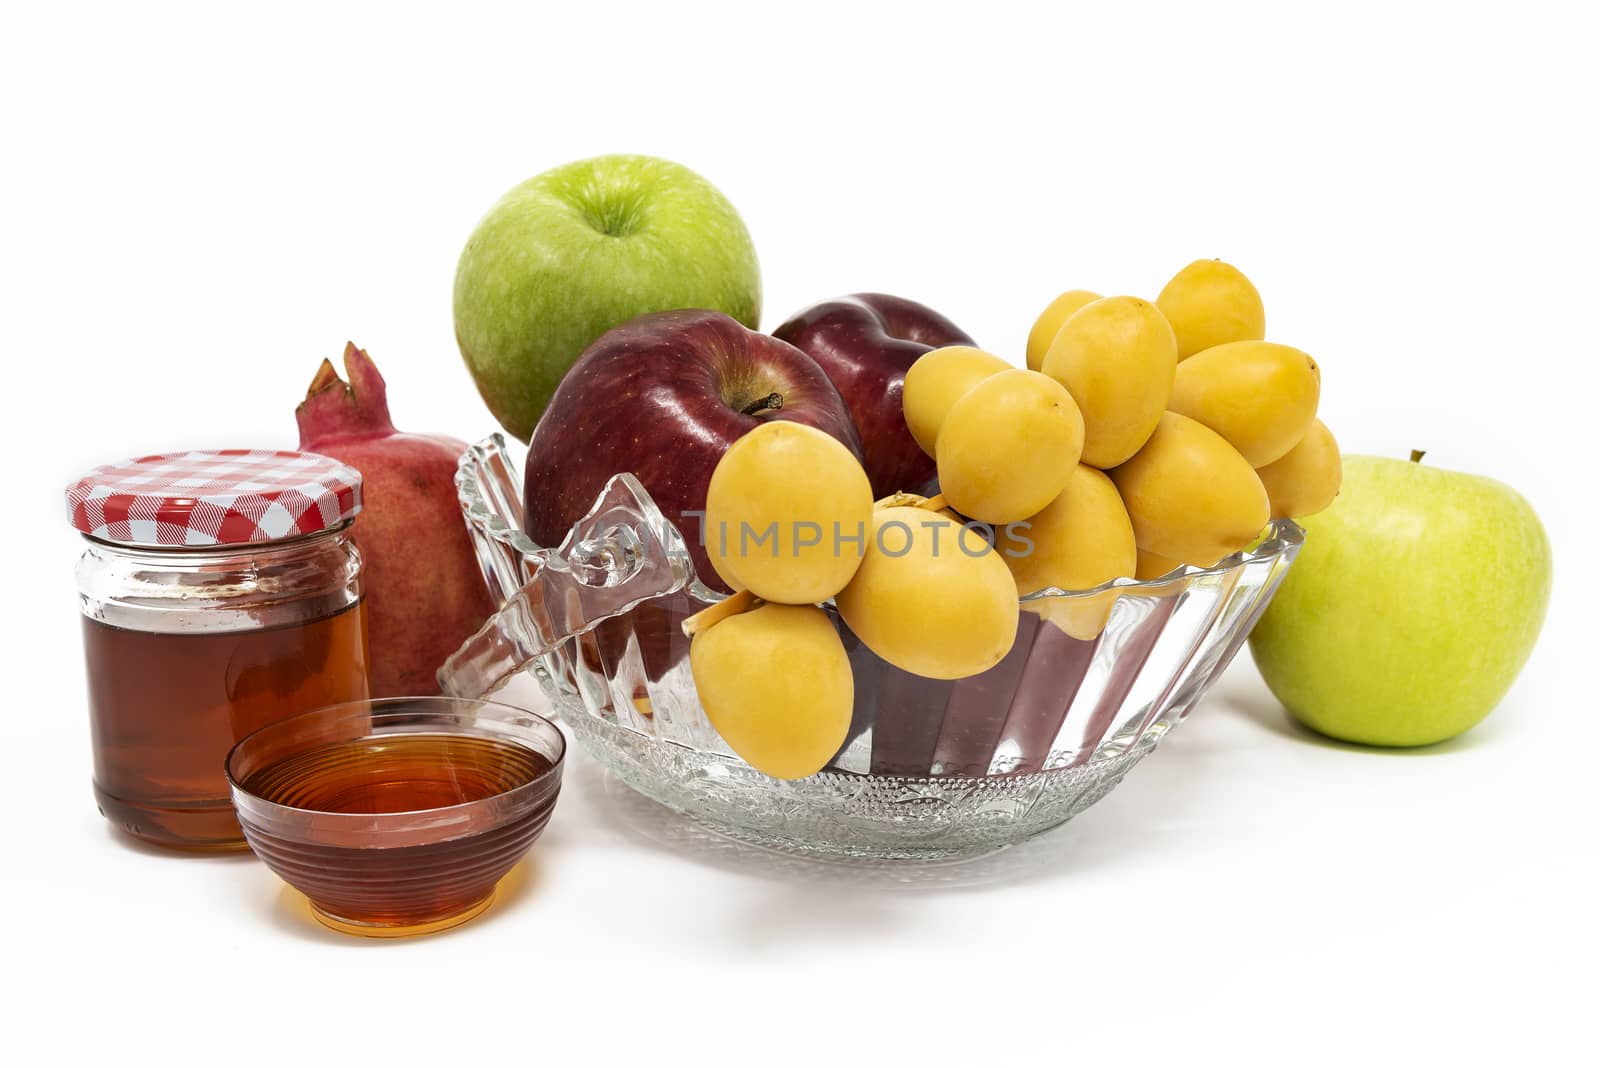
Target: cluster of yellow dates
column 914, row 583
column 1139, row 438
column 1195, row 431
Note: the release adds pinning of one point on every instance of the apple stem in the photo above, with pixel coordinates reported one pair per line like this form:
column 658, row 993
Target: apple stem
column 1417, row 455
column 770, row 403
column 704, row 619
column 935, row 503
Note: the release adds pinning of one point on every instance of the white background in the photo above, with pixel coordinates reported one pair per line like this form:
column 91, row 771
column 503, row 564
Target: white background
column 198, row 206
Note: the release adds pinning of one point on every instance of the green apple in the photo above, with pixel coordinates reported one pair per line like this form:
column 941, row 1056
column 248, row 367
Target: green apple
column 1412, row 607
column 569, row 254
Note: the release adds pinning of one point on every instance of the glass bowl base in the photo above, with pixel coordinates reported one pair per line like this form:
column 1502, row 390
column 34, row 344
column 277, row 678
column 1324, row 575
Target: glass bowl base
column 844, row 816
column 844, row 851
column 364, row 929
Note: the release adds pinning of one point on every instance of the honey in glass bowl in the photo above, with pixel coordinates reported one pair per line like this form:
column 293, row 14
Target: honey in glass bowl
column 397, row 816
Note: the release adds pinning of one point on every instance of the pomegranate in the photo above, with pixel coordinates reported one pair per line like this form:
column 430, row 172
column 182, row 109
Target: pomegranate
column 424, row 592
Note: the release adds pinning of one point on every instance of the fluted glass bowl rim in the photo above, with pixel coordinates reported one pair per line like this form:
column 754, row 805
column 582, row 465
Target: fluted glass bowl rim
column 260, row 809
column 469, row 495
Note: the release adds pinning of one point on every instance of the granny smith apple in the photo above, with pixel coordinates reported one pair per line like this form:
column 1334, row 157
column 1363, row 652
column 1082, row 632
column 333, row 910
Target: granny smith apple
column 1413, row 605
column 569, row 254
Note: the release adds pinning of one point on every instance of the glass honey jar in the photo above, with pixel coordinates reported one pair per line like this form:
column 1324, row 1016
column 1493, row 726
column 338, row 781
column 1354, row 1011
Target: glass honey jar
column 220, row 591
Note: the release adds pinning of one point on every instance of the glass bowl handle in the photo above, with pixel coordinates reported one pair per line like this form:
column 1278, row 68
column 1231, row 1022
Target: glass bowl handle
column 622, row 553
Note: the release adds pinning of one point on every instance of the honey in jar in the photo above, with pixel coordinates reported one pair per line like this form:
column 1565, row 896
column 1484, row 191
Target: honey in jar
column 220, row 592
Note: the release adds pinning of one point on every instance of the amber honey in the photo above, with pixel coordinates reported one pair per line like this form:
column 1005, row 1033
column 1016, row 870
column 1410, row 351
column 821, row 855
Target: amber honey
column 452, row 814
column 397, row 773
column 165, row 708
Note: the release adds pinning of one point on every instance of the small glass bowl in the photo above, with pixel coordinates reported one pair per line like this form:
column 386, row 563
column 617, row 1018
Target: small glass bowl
column 365, row 812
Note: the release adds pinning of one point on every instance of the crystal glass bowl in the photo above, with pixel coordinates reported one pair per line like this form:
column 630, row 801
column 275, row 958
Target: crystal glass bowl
column 930, row 768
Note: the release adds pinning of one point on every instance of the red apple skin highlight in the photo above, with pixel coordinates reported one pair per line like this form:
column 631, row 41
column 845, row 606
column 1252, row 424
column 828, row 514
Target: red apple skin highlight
column 663, row 396
column 865, row 343
column 424, row 592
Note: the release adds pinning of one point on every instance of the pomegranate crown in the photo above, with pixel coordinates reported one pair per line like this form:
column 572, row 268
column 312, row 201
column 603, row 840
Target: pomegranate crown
column 336, row 409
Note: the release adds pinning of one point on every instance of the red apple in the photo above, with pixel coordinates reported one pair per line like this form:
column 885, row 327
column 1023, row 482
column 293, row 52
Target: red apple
column 663, row 396
column 865, row 342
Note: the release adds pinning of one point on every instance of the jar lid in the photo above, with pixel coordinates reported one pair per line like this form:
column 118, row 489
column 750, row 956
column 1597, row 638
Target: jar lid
column 225, row 497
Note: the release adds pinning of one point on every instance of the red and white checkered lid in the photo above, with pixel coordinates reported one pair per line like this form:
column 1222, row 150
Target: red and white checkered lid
column 226, row 497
